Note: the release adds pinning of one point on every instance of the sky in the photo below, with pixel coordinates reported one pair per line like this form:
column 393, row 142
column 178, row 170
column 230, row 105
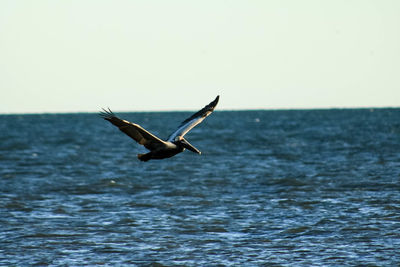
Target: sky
column 82, row 55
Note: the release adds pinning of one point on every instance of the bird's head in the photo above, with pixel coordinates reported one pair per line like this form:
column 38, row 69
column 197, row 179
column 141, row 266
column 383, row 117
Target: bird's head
column 184, row 143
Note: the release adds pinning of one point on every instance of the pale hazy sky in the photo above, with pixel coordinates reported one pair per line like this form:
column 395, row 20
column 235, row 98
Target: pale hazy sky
column 81, row 55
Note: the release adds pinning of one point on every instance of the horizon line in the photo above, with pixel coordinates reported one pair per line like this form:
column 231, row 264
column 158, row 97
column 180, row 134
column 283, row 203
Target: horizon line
column 188, row 110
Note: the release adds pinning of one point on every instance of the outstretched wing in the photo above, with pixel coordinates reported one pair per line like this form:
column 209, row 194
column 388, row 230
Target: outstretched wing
column 193, row 120
column 134, row 131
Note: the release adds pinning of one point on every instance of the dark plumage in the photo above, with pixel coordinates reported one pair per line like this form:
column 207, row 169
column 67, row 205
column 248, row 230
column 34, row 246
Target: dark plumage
column 160, row 149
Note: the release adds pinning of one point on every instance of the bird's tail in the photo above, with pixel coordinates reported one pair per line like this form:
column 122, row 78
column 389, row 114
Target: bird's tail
column 144, row 157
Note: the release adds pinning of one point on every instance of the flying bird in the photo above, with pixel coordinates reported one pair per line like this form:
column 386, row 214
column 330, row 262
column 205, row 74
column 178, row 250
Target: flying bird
column 160, row 149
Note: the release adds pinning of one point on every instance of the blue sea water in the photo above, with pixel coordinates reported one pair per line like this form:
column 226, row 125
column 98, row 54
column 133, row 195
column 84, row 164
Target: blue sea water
column 271, row 188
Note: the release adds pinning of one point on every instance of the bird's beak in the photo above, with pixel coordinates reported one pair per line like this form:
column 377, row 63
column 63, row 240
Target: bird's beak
column 187, row 145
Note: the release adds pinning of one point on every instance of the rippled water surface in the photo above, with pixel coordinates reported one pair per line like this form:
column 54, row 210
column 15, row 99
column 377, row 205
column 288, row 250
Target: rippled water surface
column 275, row 188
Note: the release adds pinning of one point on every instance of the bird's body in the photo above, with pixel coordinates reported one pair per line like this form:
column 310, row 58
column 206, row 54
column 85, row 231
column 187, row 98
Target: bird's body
column 160, row 149
column 169, row 150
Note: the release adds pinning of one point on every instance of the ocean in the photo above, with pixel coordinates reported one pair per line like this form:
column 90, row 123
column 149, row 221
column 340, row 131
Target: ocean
column 271, row 188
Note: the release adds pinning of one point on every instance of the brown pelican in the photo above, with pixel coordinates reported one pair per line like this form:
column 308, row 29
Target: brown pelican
column 160, row 149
